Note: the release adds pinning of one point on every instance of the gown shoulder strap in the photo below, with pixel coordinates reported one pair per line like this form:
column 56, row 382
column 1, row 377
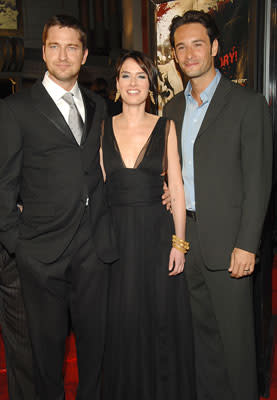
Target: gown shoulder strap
column 165, row 159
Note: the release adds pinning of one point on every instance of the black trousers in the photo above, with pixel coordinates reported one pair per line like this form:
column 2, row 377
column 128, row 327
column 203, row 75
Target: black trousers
column 223, row 323
column 15, row 333
column 73, row 290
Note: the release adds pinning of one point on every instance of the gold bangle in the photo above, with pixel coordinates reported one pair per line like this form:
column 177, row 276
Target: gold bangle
column 180, row 242
column 179, row 248
column 184, row 245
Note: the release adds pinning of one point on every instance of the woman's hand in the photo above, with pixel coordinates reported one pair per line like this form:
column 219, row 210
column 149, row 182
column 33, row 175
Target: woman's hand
column 166, row 198
column 176, row 262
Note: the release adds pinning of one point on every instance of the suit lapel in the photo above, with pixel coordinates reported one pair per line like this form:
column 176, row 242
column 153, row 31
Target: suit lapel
column 89, row 105
column 180, row 108
column 46, row 106
column 218, row 103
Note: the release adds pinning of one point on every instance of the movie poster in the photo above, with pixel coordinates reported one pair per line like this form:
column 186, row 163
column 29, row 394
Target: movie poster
column 232, row 19
column 8, row 14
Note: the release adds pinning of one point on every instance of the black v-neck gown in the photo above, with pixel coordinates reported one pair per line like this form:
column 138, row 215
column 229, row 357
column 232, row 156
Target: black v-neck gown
column 149, row 348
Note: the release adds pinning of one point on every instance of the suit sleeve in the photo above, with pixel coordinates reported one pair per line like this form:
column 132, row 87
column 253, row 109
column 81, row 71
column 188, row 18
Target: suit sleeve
column 11, row 156
column 256, row 161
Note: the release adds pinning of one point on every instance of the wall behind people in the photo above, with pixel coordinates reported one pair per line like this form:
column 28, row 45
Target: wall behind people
column 131, row 14
column 35, row 12
column 132, row 33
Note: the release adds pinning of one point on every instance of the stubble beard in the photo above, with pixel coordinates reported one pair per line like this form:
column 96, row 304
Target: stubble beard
column 202, row 71
column 65, row 76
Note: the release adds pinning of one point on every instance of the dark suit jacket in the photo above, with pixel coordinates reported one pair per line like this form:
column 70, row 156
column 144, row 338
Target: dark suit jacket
column 41, row 163
column 232, row 167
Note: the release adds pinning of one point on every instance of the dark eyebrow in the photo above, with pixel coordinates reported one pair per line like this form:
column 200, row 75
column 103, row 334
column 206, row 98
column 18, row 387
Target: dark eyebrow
column 127, row 72
column 69, row 44
column 73, row 44
column 179, row 44
column 194, row 41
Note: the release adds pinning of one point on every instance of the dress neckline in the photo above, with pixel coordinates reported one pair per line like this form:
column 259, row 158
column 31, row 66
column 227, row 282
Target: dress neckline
column 143, row 149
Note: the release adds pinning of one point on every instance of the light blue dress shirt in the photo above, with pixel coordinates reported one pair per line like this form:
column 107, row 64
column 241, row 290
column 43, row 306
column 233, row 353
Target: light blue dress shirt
column 193, row 118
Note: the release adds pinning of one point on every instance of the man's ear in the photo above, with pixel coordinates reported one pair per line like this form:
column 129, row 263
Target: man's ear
column 43, row 52
column 173, row 52
column 214, row 47
column 85, row 56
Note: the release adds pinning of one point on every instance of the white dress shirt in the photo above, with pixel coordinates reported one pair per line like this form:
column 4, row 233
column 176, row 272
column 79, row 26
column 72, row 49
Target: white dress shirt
column 56, row 92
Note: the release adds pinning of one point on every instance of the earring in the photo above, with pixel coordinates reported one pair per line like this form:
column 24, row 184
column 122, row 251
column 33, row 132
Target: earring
column 117, row 95
column 151, row 95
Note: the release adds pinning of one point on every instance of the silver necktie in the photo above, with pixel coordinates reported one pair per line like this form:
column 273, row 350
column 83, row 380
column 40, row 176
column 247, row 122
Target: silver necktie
column 75, row 121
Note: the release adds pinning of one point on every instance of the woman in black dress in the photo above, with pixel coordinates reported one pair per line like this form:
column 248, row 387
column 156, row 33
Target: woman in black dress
column 149, row 349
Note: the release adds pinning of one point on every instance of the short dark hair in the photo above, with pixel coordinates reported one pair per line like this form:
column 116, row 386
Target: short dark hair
column 145, row 63
column 65, row 21
column 194, row 16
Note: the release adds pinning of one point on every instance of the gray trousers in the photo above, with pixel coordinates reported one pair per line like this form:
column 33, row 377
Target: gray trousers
column 223, row 323
column 14, row 331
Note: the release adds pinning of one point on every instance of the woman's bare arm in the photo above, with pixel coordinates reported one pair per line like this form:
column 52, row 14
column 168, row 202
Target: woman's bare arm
column 176, row 188
column 175, row 184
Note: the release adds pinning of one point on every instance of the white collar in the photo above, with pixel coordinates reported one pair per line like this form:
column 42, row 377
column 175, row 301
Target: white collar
column 56, row 91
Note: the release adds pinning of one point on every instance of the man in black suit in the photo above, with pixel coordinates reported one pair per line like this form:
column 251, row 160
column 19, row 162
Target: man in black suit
column 14, row 331
column 50, row 159
column 225, row 141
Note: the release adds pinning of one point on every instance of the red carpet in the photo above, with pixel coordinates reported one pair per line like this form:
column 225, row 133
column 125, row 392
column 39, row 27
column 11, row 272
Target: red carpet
column 71, row 371
column 273, row 387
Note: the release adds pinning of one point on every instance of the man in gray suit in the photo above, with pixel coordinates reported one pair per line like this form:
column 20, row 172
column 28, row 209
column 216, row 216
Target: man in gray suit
column 225, row 142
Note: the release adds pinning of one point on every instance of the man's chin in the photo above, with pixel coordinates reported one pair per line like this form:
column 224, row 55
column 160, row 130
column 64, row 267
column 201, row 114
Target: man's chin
column 64, row 77
column 192, row 74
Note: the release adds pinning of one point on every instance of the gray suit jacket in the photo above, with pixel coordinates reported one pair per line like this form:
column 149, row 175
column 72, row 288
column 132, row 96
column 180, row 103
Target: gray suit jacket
column 232, row 167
